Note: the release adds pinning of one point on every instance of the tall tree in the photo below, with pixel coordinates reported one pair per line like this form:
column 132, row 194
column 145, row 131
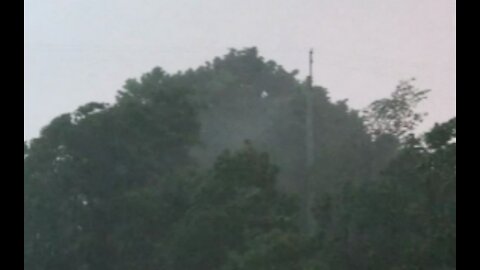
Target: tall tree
column 99, row 181
column 396, row 115
column 413, row 206
column 233, row 204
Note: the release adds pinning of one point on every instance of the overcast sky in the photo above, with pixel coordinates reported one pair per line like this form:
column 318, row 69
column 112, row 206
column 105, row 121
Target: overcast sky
column 77, row 51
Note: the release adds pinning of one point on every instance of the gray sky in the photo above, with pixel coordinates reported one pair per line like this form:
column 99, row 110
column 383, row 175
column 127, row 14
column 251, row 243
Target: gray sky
column 77, row 51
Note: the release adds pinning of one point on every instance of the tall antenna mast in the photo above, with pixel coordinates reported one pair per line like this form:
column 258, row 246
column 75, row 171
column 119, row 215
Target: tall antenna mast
column 309, row 117
column 310, row 74
column 308, row 221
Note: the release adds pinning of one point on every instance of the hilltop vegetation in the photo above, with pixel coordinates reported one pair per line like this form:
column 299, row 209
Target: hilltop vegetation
column 203, row 170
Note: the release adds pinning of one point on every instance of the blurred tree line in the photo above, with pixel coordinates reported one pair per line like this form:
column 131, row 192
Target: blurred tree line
column 203, row 169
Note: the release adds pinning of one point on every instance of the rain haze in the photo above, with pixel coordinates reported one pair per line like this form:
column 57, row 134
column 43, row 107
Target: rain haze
column 77, row 51
column 181, row 135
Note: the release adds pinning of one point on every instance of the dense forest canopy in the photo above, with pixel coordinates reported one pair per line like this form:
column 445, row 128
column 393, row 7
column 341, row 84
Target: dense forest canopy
column 203, row 169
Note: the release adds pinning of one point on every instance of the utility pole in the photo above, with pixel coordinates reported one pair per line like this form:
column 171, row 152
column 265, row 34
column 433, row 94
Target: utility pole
column 308, row 220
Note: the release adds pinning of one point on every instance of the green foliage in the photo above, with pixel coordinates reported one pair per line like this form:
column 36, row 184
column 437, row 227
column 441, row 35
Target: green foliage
column 230, row 89
column 274, row 250
column 90, row 175
column 146, row 183
column 396, row 115
column 414, row 207
column 236, row 203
